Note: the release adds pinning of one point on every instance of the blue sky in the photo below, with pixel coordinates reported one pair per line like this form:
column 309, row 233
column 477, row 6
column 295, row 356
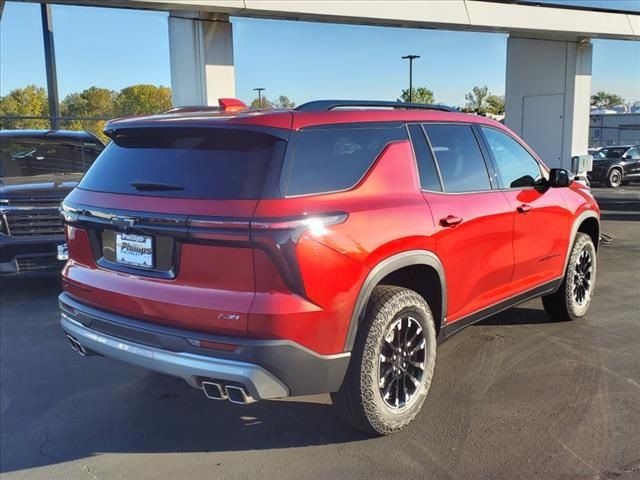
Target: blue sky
column 114, row 48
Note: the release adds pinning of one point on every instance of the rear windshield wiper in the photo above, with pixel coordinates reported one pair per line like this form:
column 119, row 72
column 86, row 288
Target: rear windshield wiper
column 155, row 186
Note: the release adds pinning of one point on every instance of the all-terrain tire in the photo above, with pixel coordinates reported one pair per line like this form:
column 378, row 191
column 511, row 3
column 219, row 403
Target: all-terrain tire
column 359, row 402
column 564, row 304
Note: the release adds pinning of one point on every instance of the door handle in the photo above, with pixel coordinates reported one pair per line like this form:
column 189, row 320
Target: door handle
column 450, row 221
column 524, row 208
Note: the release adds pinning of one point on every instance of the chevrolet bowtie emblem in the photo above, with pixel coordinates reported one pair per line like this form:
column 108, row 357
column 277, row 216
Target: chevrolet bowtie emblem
column 123, row 222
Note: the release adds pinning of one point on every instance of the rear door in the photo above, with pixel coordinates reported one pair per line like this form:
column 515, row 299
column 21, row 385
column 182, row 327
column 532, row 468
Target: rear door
column 541, row 220
column 474, row 228
column 159, row 226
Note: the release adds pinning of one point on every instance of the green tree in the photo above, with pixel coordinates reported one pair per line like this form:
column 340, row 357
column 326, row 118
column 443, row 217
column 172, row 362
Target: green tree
column 142, row 99
column 481, row 101
column 419, row 95
column 477, row 100
column 606, row 100
column 261, row 103
column 495, row 104
column 92, row 102
column 284, row 102
column 29, row 101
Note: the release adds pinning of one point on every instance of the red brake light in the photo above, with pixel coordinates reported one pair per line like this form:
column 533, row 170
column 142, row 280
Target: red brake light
column 231, row 105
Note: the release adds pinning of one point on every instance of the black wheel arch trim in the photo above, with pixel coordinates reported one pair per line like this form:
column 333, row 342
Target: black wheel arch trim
column 384, row 268
column 574, row 231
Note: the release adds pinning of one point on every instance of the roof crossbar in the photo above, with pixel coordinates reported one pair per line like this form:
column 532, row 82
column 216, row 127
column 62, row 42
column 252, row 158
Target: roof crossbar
column 326, row 105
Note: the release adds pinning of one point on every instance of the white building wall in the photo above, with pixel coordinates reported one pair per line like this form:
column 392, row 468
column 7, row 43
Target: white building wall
column 201, row 57
column 548, row 87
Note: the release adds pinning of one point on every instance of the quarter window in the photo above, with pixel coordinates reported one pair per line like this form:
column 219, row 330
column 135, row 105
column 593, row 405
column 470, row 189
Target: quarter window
column 516, row 167
column 331, row 159
column 459, row 157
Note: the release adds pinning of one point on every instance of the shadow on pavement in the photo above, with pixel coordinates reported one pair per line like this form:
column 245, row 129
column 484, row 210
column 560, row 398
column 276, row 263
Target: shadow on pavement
column 518, row 316
column 57, row 406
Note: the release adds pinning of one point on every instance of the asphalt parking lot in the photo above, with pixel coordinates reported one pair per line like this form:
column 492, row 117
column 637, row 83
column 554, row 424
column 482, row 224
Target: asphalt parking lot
column 513, row 397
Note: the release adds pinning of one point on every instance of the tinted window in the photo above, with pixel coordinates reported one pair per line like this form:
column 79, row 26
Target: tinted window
column 185, row 163
column 611, row 152
column 633, row 153
column 459, row 157
column 332, row 159
column 429, row 179
column 25, row 157
column 516, row 167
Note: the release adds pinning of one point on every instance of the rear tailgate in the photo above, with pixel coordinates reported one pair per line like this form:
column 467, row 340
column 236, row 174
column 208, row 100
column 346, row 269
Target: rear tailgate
column 159, row 227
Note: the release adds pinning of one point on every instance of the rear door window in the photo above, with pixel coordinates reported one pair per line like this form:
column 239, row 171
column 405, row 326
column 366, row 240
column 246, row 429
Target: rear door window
column 334, row 158
column 429, row 178
column 459, row 157
column 206, row 163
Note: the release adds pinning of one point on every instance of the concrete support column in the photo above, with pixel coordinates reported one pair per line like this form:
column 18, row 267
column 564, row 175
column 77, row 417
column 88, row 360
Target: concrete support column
column 548, row 88
column 201, row 55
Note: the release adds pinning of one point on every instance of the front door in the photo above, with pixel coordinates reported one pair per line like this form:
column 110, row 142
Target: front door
column 541, row 221
column 633, row 158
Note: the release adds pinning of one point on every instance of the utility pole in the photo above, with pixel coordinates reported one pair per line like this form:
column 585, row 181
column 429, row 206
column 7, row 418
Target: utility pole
column 411, row 58
column 50, row 63
column 259, row 90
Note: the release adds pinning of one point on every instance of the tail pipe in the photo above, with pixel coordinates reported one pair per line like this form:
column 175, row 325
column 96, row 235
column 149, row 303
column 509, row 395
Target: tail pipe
column 79, row 348
column 220, row 391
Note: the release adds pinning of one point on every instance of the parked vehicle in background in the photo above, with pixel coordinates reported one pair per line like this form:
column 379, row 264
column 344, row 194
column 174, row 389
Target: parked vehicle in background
column 593, row 151
column 38, row 168
column 616, row 165
column 266, row 254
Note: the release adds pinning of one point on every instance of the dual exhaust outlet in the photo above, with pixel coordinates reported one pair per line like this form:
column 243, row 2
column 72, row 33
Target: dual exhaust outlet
column 233, row 393
column 213, row 390
column 78, row 348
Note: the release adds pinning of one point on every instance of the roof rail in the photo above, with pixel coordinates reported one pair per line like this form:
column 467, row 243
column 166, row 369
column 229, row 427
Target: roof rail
column 193, row 109
column 326, row 105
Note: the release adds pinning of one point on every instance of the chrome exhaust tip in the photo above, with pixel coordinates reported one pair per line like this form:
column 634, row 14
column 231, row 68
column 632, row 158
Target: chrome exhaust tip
column 238, row 395
column 213, row 390
column 77, row 346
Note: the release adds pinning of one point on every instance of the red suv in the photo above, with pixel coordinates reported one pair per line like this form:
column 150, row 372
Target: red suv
column 266, row 254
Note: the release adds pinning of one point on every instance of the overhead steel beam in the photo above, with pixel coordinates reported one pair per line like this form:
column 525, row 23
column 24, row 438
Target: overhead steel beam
column 512, row 17
column 50, row 63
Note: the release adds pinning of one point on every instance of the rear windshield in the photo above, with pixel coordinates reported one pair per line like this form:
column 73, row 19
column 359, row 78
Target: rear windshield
column 207, row 163
column 26, row 157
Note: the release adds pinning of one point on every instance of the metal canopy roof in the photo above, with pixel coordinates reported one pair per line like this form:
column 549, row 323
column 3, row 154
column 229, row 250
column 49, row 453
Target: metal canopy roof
column 511, row 16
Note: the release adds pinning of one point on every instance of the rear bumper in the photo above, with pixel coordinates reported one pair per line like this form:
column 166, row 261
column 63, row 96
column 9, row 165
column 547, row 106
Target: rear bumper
column 266, row 368
column 30, row 255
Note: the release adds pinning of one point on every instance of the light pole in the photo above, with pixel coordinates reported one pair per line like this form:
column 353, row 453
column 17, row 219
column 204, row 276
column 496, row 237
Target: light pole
column 259, row 90
column 411, row 58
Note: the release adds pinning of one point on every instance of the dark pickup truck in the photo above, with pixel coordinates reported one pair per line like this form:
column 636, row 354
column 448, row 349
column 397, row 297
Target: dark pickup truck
column 38, row 168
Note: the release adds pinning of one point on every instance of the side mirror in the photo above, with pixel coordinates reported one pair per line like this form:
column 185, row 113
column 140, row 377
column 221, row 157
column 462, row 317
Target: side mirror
column 559, row 177
column 628, row 157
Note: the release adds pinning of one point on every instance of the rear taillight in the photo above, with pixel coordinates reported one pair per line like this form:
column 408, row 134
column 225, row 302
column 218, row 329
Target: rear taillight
column 278, row 237
column 315, row 224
